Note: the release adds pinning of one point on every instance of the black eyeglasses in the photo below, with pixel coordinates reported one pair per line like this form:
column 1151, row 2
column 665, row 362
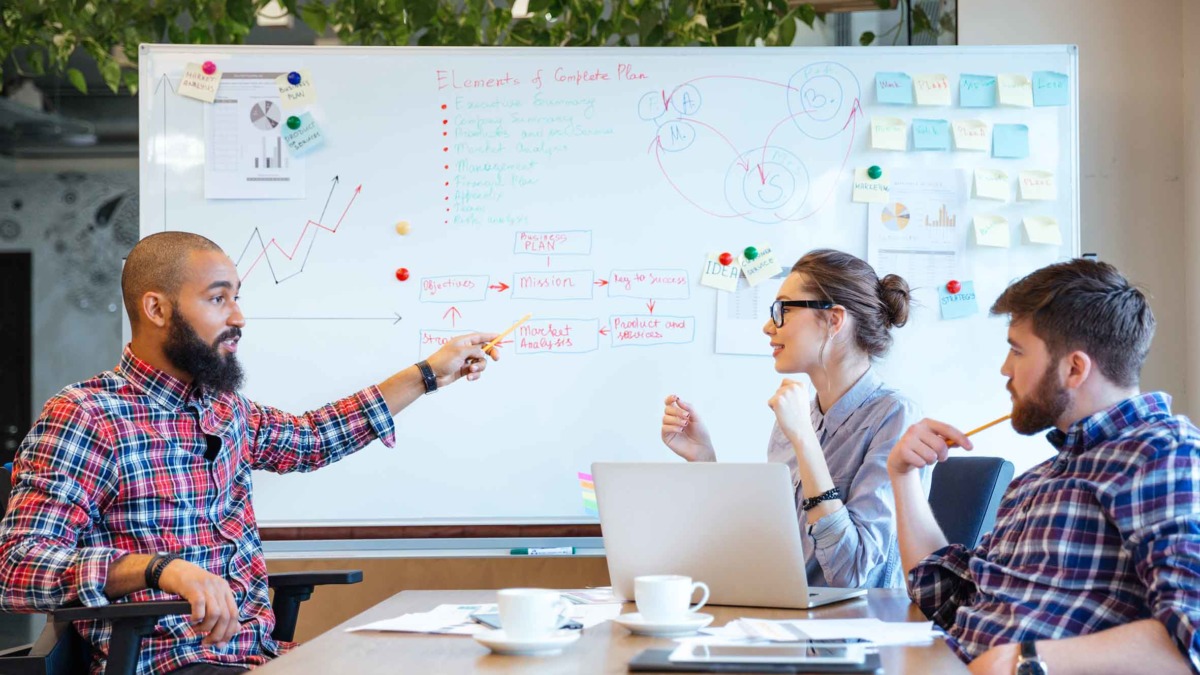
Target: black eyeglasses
column 778, row 305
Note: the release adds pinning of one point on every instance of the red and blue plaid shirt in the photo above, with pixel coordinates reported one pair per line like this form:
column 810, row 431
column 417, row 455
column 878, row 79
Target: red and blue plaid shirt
column 116, row 465
column 1104, row 534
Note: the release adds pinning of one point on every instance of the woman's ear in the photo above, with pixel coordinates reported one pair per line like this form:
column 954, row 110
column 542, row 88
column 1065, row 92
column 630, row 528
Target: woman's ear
column 835, row 320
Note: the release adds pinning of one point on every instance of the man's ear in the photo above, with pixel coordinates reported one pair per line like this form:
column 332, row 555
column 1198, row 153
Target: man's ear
column 156, row 308
column 1078, row 367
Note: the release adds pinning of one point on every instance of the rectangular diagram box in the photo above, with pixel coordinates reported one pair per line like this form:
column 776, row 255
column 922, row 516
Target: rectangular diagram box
column 454, row 288
column 558, row 336
column 659, row 284
column 565, row 242
column 646, row 330
column 571, row 285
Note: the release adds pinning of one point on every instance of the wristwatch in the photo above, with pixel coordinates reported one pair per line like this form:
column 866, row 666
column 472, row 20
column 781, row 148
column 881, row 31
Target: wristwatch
column 427, row 377
column 1029, row 663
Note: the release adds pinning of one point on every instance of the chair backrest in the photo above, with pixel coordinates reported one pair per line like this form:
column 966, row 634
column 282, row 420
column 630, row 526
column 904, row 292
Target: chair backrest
column 965, row 494
column 5, row 487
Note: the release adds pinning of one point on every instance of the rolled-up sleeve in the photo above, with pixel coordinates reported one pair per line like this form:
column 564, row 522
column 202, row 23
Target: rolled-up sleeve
column 940, row 583
column 857, row 545
column 1155, row 510
column 62, row 472
column 284, row 442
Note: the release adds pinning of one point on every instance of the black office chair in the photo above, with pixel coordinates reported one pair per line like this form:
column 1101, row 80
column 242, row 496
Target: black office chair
column 965, row 494
column 60, row 650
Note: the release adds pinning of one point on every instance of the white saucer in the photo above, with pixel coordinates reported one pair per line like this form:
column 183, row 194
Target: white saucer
column 685, row 626
column 498, row 642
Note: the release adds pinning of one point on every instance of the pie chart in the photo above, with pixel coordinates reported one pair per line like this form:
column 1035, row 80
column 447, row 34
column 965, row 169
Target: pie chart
column 265, row 115
column 895, row 217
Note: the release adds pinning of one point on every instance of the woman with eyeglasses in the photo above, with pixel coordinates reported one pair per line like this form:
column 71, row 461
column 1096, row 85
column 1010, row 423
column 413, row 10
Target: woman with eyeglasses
column 831, row 319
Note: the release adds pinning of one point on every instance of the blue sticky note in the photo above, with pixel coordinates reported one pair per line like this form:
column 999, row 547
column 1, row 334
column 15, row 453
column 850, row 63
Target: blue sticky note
column 304, row 138
column 960, row 304
column 1049, row 88
column 931, row 134
column 1010, row 141
column 894, row 88
column 977, row 91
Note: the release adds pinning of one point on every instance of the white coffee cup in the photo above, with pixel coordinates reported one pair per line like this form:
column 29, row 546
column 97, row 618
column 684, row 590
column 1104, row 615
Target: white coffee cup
column 664, row 598
column 530, row 613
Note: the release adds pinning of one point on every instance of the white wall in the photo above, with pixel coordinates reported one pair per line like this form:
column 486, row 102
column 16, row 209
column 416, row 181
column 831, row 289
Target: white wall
column 1191, row 195
column 1132, row 149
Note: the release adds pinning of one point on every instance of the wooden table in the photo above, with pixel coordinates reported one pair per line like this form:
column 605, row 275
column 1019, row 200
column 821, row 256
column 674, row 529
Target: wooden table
column 606, row 648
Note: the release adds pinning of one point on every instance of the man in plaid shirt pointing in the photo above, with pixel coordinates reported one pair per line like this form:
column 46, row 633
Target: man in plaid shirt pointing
column 135, row 485
column 1094, row 563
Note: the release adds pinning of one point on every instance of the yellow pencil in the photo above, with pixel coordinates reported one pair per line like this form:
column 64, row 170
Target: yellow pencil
column 989, row 425
column 488, row 347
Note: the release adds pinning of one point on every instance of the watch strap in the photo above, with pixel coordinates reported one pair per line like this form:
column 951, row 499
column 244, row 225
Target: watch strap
column 427, row 377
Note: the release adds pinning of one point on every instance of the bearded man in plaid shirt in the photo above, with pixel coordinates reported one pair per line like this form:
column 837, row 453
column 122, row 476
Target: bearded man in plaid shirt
column 135, row 485
column 1094, row 562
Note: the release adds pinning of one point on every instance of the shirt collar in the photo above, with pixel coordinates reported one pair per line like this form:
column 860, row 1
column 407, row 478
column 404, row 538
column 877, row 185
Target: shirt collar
column 167, row 391
column 849, row 402
column 1107, row 424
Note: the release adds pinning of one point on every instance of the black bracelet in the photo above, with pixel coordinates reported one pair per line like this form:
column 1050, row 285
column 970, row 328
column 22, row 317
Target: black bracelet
column 155, row 568
column 823, row 497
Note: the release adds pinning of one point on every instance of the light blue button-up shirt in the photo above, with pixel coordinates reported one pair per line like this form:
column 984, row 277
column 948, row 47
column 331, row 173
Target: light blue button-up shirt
column 855, row 547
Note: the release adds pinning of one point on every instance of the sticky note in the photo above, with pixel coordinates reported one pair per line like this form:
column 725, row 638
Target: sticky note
column 304, row 138
column 991, row 231
column 889, row 133
column 970, row 135
column 1049, row 88
column 958, row 305
column 931, row 134
column 197, row 85
column 977, row 91
column 292, row 96
column 1010, row 141
column 991, row 184
column 1015, row 90
column 893, row 88
column 871, row 190
column 762, row 268
column 718, row 276
column 932, row 89
column 1037, row 185
column 1043, row 230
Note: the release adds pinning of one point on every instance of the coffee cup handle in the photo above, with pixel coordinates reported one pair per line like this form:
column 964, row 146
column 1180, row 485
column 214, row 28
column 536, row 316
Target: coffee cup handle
column 704, row 599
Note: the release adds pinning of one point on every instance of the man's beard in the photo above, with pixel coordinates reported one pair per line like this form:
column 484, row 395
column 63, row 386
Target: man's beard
column 209, row 369
column 1044, row 407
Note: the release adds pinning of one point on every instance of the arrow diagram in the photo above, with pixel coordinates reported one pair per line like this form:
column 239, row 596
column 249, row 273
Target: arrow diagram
column 265, row 246
column 602, row 282
column 499, row 288
column 604, row 331
column 650, row 306
column 852, row 122
column 454, row 315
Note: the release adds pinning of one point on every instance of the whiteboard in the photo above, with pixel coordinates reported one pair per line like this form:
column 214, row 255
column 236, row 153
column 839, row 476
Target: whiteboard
column 587, row 187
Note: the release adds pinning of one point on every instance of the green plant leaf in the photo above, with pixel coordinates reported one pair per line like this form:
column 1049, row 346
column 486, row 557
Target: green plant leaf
column 76, row 79
column 787, row 30
column 883, row 4
column 807, row 14
column 866, row 38
column 110, row 70
column 316, row 16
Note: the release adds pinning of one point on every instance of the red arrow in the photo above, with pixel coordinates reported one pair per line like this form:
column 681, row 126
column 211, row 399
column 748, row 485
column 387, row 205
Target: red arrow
column 650, row 306
column 602, row 282
column 762, row 176
column 453, row 313
column 501, row 288
column 604, row 331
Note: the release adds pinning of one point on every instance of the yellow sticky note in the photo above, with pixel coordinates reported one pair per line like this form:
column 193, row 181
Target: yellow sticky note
column 1015, row 90
column 991, row 231
column 764, row 266
column 298, row 95
column 197, row 85
column 867, row 189
column 991, row 184
column 1037, row 185
column 1043, row 230
column 932, row 89
column 971, row 135
column 889, row 133
column 718, row 276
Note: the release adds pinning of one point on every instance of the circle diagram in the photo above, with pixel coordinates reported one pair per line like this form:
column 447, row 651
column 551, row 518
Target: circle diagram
column 265, row 115
column 767, row 185
column 895, row 217
column 821, row 97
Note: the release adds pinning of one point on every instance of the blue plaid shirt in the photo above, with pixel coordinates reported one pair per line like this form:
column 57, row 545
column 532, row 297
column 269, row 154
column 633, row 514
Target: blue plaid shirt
column 1104, row 534
column 117, row 465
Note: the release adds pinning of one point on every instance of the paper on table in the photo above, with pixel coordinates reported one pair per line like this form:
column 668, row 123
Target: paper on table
column 878, row 632
column 456, row 619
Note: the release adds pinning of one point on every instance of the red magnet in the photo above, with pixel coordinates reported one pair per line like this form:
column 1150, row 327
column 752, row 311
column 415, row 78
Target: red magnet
column 209, row 67
column 402, row 274
column 953, row 286
column 726, row 258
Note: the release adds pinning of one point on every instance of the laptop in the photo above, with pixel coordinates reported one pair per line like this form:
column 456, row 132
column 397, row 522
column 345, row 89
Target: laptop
column 732, row 526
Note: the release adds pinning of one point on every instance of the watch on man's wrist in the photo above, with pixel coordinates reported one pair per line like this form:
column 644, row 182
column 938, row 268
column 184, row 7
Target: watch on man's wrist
column 427, row 377
column 1028, row 662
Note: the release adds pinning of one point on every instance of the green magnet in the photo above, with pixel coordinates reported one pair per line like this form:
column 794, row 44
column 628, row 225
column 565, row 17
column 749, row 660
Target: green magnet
column 750, row 253
column 874, row 172
column 293, row 123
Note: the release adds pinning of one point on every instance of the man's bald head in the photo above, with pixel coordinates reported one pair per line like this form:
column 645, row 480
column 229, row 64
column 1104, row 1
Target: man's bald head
column 158, row 263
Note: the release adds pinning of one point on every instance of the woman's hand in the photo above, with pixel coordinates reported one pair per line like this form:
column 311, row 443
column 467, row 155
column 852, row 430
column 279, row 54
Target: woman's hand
column 684, row 433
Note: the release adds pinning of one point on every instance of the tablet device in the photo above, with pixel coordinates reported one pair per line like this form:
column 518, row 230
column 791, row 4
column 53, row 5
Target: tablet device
column 656, row 660
column 806, row 652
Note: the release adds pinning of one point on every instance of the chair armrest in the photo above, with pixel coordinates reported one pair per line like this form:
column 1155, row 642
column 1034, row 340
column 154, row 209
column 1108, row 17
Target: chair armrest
column 123, row 610
column 319, row 578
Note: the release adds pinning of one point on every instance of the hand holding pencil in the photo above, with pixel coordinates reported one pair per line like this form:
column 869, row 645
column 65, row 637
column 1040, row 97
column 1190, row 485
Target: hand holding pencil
column 928, row 442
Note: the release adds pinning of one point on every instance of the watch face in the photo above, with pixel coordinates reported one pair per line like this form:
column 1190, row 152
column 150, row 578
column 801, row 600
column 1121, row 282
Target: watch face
column 1031, row 668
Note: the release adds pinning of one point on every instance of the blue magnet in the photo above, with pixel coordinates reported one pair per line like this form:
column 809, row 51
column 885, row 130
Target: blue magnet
column 293, row 78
